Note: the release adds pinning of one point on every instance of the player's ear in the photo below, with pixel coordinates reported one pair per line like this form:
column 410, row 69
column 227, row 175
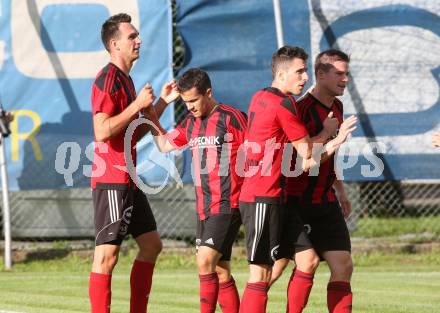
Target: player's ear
column 209, row 92
column 280, row 75
column 113, row 44
column 320, row 73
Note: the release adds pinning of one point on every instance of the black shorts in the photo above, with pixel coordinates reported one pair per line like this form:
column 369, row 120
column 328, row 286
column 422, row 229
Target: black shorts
column 219, row 232
column 324, row 224
column 120, row 211
column 294, row 236
column 262, row 231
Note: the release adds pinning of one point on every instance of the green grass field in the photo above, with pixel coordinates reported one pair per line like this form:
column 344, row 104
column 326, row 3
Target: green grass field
column 403, row 283
column 381, row 227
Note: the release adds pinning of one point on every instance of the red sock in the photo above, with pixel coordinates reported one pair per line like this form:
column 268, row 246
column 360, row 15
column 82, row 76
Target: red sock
column 141, row 278
column 100, row 292
column 339, row 297
column 298, row 291
column 208, row 292
column 254, row 298
column 228, row 298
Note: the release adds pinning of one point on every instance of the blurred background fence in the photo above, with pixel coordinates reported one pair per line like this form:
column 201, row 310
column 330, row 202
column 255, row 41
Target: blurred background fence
column 380, row 208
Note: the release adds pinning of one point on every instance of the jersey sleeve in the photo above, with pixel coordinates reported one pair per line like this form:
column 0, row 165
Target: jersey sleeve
column 102, row 102
column 177, row 137
column 237, row 127
column 289, row 121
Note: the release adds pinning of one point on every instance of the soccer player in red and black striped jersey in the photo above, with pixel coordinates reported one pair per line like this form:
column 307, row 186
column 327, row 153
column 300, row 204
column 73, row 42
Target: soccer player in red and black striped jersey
column 120, row 207
column 214, row 132
column 272, row 122
column 313, row 197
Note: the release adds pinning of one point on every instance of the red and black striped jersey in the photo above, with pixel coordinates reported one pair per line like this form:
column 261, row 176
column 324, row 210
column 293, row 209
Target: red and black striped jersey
column 214, row 142
column 315, row 189
column 112, row 92
column 272, row 122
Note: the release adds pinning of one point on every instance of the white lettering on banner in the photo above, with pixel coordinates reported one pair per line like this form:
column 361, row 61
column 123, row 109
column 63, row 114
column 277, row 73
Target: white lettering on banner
column 68, row 64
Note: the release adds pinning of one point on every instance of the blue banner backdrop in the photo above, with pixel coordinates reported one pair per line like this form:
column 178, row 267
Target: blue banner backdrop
column 50, row 53
column 395, row 77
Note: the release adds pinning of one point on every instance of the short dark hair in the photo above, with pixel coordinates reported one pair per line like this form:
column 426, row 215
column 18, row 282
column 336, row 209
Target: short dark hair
column 286, row 54
column 325, row 59
column 110, row 28
column 194, row 77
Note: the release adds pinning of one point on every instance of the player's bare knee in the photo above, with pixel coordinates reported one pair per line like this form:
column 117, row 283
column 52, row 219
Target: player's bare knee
column 307, row 263
column 151, row 252
column 348, row 268
column 314, row 263
column 105, row 263
column 343, row 269
column 223, row 269
column 223, row 275
column 260, row 272
column 309, row 268
column 205, row 264
column 157, row 247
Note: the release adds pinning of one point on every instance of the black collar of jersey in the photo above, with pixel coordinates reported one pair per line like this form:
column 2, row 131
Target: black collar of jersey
column 119, row 70
column 277, row 92
column 322, row 104
column 202, row 118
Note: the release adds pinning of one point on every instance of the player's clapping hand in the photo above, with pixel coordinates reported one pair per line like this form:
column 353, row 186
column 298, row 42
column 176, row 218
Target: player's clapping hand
column 330, row 124
column 347, row 127
column 436, row 139
column 169, row 92
column 145, row 98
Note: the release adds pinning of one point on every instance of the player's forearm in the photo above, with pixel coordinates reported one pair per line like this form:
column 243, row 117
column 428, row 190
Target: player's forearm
column 321, row 155
column 339, row 187
column 163, row 144
column 159, row 133
column 160, row 107
column 322, row 137
column 108, row 127
column 143, row 129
